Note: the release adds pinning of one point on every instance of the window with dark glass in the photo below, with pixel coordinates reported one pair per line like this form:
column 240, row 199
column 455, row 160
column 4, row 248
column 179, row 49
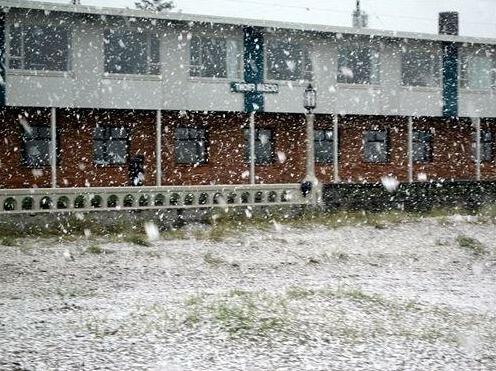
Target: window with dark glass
column 132, row 52
column 358, row 65
column 263, row 146
column 110, row 145
column 36, row 146
column 323, row 145
column 486, row 146
column 287, row 60
column 40, row 48
column 420, row 68
column 375, row 146
column 422, row 146
column 215, row 57
column 191, row 145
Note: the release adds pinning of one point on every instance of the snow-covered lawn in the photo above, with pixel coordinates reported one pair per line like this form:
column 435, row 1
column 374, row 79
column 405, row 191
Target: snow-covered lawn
column 404, row 296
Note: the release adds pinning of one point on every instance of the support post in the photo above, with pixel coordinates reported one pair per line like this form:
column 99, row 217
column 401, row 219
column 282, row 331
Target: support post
column 158, row 149
column 477, row 122
column 53, row 146
column 310, row 174
column 252, row 147
column 335, row 148
column 410, row 149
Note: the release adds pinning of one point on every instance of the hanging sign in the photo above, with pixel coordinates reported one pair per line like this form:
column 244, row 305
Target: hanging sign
column 245, row 87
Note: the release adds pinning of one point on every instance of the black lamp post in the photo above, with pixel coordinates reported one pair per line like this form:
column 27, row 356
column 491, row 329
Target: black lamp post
column 309, row 103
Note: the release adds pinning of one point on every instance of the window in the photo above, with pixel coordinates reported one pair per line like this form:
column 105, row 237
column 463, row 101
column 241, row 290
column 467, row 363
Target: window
column 358, row 65
column 287, row 60
column 477, row 71
column 486, row 146
column 110, row 145
column 191, row 145
column 420, row 68
column 132, row 52
column 39, row 48
column 263, row 146
column 36, row 146
column 215, row 57
column 421, row 146
column 323, row 145
column 375, row 146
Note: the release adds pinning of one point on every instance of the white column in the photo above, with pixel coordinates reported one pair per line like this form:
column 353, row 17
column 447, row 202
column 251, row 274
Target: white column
column 335, row 148
column 252, row 147
column 53, row 146
column 476, row 121
column 158, row 149
column 410, row 149
column 310, row 176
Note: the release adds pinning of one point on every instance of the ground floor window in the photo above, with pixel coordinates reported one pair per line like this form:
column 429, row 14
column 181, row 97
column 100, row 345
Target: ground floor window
column 191, row 145
column 323, row 144
column 422, row 146
column 36, row 146
column 263, row 146
column 375, row 146
column 110, row 145
column 486, row 146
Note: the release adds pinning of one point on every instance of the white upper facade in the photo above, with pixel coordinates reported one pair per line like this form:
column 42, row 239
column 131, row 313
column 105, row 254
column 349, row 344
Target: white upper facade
column 67, row 56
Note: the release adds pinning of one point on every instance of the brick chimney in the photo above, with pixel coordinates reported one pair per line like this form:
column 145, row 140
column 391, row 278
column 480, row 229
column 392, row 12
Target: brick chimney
column 448, row 23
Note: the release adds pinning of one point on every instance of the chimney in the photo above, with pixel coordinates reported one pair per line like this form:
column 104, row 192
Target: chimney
column 448, row 23
column 360, row 19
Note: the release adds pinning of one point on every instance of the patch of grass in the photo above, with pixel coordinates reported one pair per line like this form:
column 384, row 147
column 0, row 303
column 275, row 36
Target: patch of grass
column 249, row 316
column 298, row 293
column 74, row 292
column 94, row 249
column 471, row 244
column 210, row 259
column 174, row 234
column 8, row 241
column 137, row 239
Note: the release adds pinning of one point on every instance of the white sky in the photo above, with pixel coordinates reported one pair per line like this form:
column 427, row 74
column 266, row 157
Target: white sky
column 477, row 17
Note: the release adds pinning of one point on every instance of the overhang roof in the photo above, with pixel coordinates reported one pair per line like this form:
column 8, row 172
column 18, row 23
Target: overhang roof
column 235, row 21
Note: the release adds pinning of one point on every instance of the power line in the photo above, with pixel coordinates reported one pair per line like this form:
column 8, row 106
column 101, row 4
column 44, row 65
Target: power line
column 377, row 15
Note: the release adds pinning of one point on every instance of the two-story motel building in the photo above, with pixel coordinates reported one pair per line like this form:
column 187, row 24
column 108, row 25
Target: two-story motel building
column 102, row 88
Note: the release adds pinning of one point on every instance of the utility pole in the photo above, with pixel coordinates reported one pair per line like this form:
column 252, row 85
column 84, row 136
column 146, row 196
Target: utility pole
column 360, row 19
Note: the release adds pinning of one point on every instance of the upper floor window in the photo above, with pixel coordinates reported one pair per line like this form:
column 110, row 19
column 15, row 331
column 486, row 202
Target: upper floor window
column 110, row 145
column 375, row 146
column 358, row 65
column 191, row 145
column 323, row 144
column 486, row 146
column 215, row 57
column 288, row 60
column 420, row 68
column 40, row 48
column 36, row 146
column 421, row 146
column 263, row 146
column 477, row 70
column 132, row 52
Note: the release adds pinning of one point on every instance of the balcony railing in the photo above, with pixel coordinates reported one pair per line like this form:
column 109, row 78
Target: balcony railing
column 47, row 200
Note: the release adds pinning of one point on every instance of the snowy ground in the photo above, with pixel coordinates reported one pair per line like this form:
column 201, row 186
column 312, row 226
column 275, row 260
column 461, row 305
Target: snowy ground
column 399, row 297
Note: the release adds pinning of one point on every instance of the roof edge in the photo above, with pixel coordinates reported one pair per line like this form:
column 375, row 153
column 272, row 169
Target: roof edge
column 235, row 21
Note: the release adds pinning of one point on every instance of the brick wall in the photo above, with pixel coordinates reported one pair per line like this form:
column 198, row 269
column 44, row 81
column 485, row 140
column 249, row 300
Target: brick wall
column 226, row 165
